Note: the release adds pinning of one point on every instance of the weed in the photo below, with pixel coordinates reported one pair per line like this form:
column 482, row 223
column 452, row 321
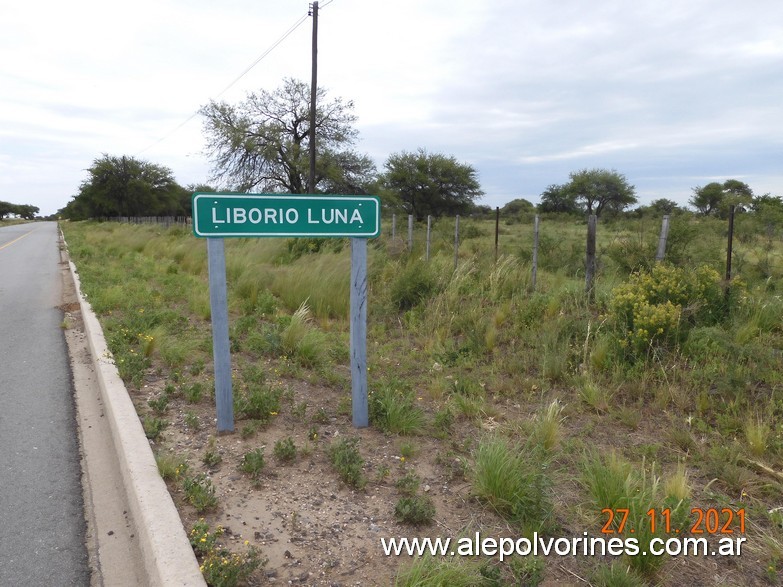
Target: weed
column 395, row 411
column 429, row 571
column 417, row 510
column 171, row 467
column 547, row 425
column 615, row 484
column 200, row 492
column 252, row 463
column 285, row 450
column 408, row 450
column 250, row 429
column 221, row 567
column 511, row 479
column 444, row 420
column 194, row 392
column 260, row 403
column 616, row 575
column 300, row 340
column 408, row 484
column 413, row 284
column 299, row 411
column 159, row 405
column 192, row 421
column 321, row 416
column 757, row 433
column 527, row 570
column 153, row 427
column 595, row 395
column 345, row 457
column 212, row 457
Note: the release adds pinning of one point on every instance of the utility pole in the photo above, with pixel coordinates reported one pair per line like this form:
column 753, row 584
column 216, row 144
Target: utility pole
column 313, row 91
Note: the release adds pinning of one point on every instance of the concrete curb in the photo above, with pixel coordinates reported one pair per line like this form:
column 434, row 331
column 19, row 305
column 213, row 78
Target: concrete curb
column 165, row 548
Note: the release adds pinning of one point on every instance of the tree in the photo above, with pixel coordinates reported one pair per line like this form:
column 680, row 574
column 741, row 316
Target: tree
column 716, row 198
column 263, row 142
column 600, row 190
column 517, row 207
column 126, row 186
column 707, row 199
column 430, row 183
column 25, row 211
column 664, row 206
column 555, row 199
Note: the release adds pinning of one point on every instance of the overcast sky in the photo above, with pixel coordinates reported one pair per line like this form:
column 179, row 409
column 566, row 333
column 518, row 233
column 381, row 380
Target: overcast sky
column 671, row 93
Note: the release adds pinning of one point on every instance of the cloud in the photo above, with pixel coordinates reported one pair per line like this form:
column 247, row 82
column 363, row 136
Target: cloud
column 669, row 93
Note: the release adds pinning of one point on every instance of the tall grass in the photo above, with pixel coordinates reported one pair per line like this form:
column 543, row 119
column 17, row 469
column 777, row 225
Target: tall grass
column 512, row 480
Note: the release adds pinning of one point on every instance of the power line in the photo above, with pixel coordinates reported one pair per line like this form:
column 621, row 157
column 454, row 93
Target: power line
column 247, row 70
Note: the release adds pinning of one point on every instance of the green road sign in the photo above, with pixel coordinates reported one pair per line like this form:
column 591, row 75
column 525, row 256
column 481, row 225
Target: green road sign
column 285, row 215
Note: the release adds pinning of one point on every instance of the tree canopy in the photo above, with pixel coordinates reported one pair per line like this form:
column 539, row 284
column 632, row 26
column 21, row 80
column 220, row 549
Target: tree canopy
column 25, row 211
column 126, row 186
column 600, row 190
column 716, row 198
column 430, row 183
column 556, row 199
column 263, row 142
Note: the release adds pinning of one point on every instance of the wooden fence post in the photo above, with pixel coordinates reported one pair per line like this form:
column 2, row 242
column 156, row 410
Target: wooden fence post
column 497, row 231
column 429, row 235
column 410, row 233
column 535, row 251
column 659, row 255
column 590, row 257
column 729, row 250
column 456, row 242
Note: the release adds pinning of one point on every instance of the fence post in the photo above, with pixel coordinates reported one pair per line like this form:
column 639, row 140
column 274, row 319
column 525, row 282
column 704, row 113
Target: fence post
column 456, row 242
column 535, row 251
column 497, row 231
column 659, row 255
column 394, row 226
column 729, row 248
column 590, row 257
column 429, row 234
column 410, row 233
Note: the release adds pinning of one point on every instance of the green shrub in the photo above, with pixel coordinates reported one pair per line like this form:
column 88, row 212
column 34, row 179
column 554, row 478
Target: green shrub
column 345, row 457
column 657, row 308
column 428, row 571
column 252, row 463
column 259, row 403
column 412, row 285
column 512, row 480
column 416, row 510
column 395, row 411
column 285, row 450
column 200, row 492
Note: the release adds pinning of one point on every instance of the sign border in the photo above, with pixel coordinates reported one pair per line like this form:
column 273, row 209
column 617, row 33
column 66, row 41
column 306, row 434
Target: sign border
column 264, row 197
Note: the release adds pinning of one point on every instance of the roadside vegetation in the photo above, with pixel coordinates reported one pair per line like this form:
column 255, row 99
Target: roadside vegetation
column 549, row 412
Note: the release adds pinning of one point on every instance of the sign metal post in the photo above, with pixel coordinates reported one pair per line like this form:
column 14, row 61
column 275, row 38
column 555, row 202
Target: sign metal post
column 217, row 216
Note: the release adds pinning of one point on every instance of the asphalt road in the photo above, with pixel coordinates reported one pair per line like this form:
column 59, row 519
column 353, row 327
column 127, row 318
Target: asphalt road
column 42, row 527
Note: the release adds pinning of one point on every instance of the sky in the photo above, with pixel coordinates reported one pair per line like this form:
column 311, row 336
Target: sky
column 672, row 94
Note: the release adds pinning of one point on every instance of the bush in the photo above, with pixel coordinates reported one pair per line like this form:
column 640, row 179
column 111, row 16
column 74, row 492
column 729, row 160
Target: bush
column 656, row 308
column 511, row 479
column 414, row 284
column 260, row 403
column 345, row 457
column 395, row 411
column 416, row 510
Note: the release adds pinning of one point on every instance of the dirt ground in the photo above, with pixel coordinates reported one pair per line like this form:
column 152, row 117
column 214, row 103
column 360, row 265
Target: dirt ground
column 310, row 526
